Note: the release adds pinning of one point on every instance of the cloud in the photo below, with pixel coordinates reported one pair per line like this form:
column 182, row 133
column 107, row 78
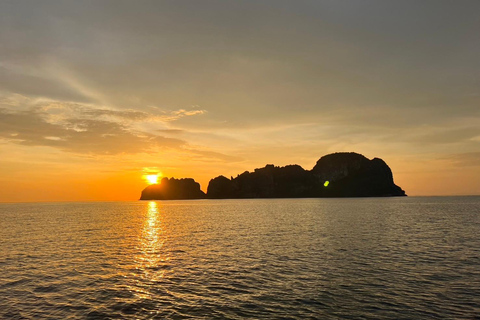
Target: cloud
column 168, row 116
column 18, row 81
column 364, row 71
column 65, row 109
column 84, row 136
column 444, row 136
column 249, row 62
column 171, row 131
column 56, row 111
column 209, row 156
column 183, row 112
column 83, row 129
column 131, row 115
column 468, row 159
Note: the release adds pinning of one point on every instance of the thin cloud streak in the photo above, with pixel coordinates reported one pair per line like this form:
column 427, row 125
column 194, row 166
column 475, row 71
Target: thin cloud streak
column 84, row 136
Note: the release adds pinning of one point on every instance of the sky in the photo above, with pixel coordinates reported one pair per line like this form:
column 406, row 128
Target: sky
column 96, row 94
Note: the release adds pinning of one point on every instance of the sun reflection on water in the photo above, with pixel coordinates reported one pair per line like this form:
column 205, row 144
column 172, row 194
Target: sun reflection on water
column 151, row 259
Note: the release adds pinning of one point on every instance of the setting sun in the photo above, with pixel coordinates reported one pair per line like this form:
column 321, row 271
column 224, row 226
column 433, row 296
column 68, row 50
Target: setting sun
column 152, row 178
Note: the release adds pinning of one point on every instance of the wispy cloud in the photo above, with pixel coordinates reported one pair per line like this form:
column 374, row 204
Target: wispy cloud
column 63, row 110
column 89, row 130
column 85, row 136
column 464, row 159
column 209, row 156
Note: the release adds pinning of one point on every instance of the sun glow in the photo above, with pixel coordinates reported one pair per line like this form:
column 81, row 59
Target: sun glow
column 152, row 178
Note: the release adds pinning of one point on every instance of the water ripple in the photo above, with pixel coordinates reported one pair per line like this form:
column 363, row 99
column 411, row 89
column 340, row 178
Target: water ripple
column 410, row 258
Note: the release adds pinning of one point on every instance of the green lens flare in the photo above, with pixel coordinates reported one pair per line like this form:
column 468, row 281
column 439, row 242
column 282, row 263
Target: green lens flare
column 326, row 183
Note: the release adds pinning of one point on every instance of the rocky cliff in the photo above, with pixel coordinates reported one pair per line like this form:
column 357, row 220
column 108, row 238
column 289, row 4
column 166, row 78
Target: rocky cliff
column 268, row 182
column 345, row 174
column 335, row 175
column 353, row 175
column 173, row 189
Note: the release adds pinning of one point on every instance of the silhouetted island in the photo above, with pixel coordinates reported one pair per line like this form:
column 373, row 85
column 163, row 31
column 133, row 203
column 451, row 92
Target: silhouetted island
column 173, row 189
column 345, row 174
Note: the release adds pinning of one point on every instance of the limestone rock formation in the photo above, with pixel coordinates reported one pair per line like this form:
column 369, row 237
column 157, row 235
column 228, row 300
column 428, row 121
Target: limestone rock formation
column 173, row 189
column 269, row 182
column 353, row 175
column 335, row 175
column 344, row 174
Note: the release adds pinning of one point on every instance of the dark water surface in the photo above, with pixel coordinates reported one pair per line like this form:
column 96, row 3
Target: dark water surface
column 376, row 258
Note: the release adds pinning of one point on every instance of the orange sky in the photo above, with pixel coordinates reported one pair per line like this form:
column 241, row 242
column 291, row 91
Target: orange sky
column 93, row 95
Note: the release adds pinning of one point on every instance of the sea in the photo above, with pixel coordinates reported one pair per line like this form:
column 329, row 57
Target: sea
column 349, row 258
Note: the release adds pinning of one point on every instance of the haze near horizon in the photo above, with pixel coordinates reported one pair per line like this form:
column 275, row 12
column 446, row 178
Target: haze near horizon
column 97, row 95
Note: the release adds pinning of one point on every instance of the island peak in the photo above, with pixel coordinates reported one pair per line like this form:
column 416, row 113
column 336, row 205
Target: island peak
column 341, row 174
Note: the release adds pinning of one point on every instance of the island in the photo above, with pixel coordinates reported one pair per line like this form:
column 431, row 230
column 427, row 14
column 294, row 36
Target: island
column 342, row 174
column 173, row 189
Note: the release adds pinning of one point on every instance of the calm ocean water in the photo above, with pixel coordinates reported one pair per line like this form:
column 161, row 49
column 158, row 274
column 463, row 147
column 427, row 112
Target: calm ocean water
column 375, row 258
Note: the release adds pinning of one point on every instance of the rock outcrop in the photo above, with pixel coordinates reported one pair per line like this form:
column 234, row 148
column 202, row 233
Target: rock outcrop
column 335, row 175
column 173, row 189
column 345, row 174
column 269, row 182
column 353, row 175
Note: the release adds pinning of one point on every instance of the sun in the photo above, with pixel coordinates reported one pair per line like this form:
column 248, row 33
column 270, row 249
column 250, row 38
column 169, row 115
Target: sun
column 151, row 175
column 152, row 178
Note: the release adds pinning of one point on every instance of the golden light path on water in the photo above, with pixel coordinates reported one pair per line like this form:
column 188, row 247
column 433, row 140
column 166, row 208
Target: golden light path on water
column 149, row 258
column 382, row 258
column 152, row 241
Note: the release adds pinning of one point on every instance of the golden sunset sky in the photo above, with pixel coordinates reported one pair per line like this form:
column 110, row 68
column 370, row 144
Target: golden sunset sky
column 95, row 94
